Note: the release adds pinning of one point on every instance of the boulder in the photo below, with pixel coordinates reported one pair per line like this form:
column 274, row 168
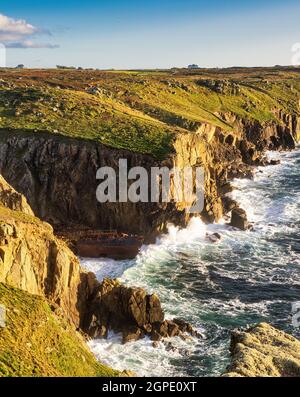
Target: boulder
column 229, row 204
column 239, row 219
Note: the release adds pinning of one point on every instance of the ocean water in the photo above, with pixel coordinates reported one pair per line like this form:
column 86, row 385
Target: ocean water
column 246, row 278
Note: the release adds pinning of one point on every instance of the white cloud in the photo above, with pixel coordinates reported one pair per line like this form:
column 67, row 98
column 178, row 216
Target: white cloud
column 14, row 29
column 17, row 33
column 30, row 44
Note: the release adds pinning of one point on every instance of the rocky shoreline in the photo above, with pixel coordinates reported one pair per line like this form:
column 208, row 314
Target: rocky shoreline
column 263, row 351
column 36, row 261
column 57, row 175
column 95, row 308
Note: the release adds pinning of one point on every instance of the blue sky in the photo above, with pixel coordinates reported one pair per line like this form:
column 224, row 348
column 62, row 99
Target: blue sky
column 148, row 34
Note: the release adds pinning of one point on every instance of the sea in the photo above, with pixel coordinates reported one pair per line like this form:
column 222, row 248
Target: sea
column 245, row 278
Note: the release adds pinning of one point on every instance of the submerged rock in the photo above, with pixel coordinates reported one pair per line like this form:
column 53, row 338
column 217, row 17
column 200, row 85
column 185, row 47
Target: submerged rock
column 213, row 238
column 275, row 162
column 264, row 351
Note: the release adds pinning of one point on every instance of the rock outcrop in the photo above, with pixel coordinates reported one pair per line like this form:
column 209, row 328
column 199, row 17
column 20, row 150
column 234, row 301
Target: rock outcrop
column 130, row 311
column 239, row 219
column 34, row 260
column 10, row 198
column 264, row 351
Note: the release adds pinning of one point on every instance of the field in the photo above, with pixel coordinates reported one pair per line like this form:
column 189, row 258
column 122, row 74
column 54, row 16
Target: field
column 142, row 110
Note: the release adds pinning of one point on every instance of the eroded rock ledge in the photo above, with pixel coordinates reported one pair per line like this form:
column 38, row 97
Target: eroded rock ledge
column 264, row 351
column 132, row 312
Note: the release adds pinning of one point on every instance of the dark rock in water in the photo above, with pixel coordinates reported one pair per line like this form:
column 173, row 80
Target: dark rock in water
column 275, row 162
column 132, row 334
column 186, row 327
column 132, row 312
column 239, row 219
column 229, row 204
column 251, row 226
column 214, row 237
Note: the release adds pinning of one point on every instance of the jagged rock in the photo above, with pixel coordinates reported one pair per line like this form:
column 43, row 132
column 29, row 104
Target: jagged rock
column 125, row 309
column 229, row 204
column 186, row 327
column 10, row 198
column 132, row 334
column 130, row 311
column 239, row 219
column 220, row 86
column 264, row 351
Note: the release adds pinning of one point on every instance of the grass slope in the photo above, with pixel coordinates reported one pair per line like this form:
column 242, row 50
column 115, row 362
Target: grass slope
column 36, row 342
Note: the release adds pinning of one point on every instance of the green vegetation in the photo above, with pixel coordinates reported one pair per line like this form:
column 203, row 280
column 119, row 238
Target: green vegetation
column 142, row 110
column 37, row 342
column 7, row 214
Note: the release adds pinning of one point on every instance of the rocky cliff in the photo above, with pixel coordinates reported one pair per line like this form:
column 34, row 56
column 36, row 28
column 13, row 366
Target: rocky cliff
column 58, row 175
column 54, row 137
column 34, row 260
column 264, row 351
column 10, row 198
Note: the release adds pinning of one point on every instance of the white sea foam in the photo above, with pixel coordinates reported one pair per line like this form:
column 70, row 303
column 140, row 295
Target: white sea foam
column 105, row 267
column 246, row 277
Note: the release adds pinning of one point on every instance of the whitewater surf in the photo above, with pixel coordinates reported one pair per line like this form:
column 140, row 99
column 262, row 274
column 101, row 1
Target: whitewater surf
column 245, row 278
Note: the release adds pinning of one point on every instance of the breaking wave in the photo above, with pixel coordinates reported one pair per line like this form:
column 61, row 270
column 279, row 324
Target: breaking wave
column 245, row 278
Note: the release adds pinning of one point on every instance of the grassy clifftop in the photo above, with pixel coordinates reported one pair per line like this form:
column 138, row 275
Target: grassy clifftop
column 140, row 110
column 37, row 342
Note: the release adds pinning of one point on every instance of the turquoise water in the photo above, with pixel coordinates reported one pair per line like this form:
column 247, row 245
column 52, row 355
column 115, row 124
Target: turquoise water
column 247, row 277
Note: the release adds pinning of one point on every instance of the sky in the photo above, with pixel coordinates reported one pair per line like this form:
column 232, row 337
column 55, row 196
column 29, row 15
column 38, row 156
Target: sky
column 132, row 34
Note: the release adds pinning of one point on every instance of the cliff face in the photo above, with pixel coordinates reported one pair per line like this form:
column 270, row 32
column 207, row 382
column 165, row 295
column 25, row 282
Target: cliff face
column 32, row 259
column 58, row 175
column 264, row 351
column 59, row 127
column 10, row 198
column 225, row 155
